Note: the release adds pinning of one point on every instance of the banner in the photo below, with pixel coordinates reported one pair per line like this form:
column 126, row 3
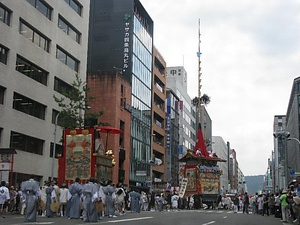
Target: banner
column 183, row 187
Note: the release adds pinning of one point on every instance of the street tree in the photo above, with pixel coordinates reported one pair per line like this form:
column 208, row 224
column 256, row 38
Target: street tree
column 74, row 105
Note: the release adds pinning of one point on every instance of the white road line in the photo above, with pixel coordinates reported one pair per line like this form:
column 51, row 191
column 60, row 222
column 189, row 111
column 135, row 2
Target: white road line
column 224, row 217
column 209, row 223
column 133, row 219
column 37, row 223
column 117, row 221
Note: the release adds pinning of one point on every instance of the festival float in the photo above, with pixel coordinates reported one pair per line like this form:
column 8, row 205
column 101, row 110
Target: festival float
column 201, row 174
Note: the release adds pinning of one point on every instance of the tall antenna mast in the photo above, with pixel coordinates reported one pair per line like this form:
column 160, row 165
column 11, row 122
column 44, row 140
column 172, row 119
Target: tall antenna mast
column 199, row 74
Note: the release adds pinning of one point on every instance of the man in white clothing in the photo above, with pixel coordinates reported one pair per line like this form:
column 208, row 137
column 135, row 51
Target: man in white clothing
column 4, row 197
column 63, row 199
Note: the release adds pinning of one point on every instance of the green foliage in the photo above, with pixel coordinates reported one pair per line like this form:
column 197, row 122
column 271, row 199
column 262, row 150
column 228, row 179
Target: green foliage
column 74, row 105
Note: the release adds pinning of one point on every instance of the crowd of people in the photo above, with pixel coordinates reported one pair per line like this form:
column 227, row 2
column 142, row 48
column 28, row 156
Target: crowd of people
column 94, row 200
column 91, row 201
column 284, row 205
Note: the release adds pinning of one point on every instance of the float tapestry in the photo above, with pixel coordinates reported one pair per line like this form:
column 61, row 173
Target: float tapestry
column 191, row 175
column 78, row 155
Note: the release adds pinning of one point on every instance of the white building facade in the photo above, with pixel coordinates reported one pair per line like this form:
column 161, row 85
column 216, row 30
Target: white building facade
column 43, row 45
column 220, row 148
column 177, row 81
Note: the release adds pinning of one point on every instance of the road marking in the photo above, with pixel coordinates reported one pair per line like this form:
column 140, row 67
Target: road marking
column 209, row 223
column 118, row 221
column 133, row 219
column 38, row 223
column 224, row 217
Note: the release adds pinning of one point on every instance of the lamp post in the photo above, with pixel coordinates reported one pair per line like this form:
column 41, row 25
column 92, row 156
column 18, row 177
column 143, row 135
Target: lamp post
column 284, row 135
column 54, row 145
column 291, row 138
column 81, row 120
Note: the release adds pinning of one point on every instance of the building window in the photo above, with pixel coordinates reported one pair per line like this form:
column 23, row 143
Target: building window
column 122, row 90
column 29, row 106
column 3, row 54
column 75, row 5
column 62, row 87
column 26, row 143
column 67, row 59
column 34, row 36
column 30, row 70
column 1, row 131
column 58, row 150
column 2, row 91
column 5, row 14
column 66, row 27
column 42, row 7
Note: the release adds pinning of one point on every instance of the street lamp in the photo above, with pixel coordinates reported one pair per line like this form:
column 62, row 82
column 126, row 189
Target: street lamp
column 54, row 145
column 81, row 120
column 291, row 138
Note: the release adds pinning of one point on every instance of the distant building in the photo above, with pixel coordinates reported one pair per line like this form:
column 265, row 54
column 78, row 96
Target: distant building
column 279, row 155
column 177, row 81
column 172, row 138
column 233, row 171
column 220, row 148
column 159, row 121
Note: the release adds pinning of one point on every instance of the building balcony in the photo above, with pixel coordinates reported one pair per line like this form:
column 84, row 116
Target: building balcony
column 160, row 93
column 159, row 110
column 160, row 169
column 157, row 146
column 159, row 129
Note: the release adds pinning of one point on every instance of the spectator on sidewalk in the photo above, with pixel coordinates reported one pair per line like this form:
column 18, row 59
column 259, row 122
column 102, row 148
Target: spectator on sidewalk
column 236, row 202
column 284, row 206
column 246, row 203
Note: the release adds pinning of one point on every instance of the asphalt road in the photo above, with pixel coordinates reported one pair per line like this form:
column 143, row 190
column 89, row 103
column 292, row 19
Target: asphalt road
column 183, row 217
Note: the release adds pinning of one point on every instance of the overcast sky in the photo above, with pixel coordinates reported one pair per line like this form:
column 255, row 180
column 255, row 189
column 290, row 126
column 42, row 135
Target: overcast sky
column 250, row 57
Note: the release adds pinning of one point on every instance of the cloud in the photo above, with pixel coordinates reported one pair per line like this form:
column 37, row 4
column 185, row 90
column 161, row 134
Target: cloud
column 250, row 56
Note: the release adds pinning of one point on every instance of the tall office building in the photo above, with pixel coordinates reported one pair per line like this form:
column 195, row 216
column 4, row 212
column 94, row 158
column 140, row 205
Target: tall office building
column 177, row 81
column 172, row 138
column 159, row 123
column 43, row 45
column 120, row 38
column 279, row 124
column 293, row 126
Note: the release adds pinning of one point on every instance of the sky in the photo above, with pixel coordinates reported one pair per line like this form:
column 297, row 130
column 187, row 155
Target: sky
column 250, row 57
